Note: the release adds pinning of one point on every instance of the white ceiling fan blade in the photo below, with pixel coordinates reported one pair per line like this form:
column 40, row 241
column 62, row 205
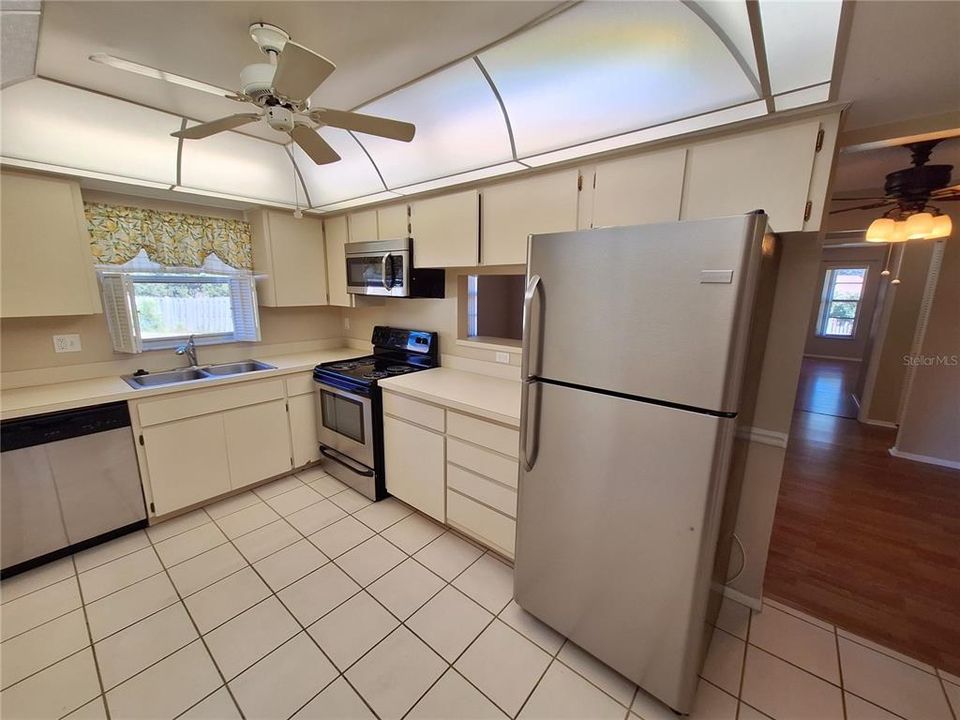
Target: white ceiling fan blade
column 198, row 132
column 313, row 145
column 951, row 190
column 368, row 124
column 300, row 71
column 147, row 71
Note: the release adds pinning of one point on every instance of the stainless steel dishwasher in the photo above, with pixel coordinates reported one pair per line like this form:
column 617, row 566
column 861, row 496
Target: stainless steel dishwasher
column 68, row 480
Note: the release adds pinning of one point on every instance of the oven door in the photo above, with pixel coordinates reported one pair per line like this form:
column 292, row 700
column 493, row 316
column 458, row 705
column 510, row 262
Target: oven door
column 381, row 273
column 345, row 423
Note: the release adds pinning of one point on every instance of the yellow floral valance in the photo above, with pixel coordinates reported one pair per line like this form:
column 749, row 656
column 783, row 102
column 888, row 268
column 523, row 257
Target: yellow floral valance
column 119, row 233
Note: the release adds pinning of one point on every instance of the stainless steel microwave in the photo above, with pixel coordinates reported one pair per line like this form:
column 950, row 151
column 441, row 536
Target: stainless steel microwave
column 385, row 267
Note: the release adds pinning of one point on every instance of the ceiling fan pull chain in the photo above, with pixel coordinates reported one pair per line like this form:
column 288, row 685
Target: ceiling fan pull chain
column 886, row 263
column 903, row 251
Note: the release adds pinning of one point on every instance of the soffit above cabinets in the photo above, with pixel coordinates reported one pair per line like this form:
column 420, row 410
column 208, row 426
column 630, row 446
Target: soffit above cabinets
column 586, row 78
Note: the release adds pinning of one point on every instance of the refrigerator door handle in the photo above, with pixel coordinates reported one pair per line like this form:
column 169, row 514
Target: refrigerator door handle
column 533, row 288
column 529, row 423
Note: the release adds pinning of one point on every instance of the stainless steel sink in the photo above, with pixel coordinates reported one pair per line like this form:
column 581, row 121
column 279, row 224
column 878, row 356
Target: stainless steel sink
column 244, row 366
column 205, row 372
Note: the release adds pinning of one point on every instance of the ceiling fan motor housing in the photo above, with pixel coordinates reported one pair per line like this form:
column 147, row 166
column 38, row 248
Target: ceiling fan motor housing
column 256, row 80
column 913, row 185
column 280, row 118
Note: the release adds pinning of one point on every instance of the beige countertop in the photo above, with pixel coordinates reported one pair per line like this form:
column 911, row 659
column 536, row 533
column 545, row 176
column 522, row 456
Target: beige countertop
column 36, row 399
column 482, row 395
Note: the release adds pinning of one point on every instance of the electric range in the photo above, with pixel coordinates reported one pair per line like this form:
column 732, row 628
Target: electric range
column 350, row 408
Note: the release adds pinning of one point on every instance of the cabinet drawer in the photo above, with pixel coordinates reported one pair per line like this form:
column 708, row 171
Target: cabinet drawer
column 300, row 384
column 200, row 402
column 486, row 491
column 485, row 524
column 482, row 461
column 416, row 412
column 496, row 437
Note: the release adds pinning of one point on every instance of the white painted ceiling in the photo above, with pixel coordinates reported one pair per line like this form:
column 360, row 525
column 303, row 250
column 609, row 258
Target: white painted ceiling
column 902, row 61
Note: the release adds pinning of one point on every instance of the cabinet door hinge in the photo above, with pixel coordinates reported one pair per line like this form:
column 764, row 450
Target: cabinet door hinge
column 579, row 183
column 141, row 438
column 594, row 180
column 807, row 211
column 287, row 405
column 153, row 508
column 291, row 462
column 819, row 146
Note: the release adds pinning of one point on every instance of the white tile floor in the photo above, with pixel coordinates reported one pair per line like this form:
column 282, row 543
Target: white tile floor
column 301, row 599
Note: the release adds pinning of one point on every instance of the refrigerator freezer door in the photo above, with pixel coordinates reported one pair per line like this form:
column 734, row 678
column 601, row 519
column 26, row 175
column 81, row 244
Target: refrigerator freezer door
column 654, row 311
column 617, row 528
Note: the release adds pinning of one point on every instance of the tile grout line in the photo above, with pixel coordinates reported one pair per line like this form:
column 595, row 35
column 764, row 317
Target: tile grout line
column 197, row 630
column 743, row 662
column 93, row 647
column 843, row 695
column 946, row 697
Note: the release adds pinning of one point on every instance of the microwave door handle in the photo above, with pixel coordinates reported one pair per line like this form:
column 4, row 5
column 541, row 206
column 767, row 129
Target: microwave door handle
column 383, row 272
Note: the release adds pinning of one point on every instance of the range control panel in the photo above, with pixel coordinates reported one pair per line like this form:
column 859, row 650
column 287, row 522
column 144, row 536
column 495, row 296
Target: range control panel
column 416, row 341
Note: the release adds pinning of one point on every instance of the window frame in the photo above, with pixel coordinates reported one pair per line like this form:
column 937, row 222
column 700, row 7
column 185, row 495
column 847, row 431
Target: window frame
column 827, row 298
column 123, row 317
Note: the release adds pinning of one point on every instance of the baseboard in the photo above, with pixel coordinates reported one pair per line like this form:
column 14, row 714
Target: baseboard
column 764, row 437
column 748, row 600
column 878, row 423
column 834, row 357
column 953, row 464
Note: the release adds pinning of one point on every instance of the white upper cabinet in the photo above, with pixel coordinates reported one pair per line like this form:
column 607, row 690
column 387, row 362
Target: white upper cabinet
column 511, row 211
column 335, row 239
column 363, row 226
column 290, row 254
column 446, row 230
column 637, row 190
column 765, row 169
column 46, row 267
column 392, row 222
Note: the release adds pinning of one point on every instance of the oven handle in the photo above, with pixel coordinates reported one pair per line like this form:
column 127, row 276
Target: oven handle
column 324, row 451
column 383, row 272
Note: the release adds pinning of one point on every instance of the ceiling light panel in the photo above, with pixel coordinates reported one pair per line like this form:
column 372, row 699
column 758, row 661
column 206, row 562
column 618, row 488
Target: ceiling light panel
column 353, row 176
column 460, row 127
column 600, row 69
column 800, row 39
column 730, row 20
column 801, row 98
column 239, row 166
column 356, row 202
column 460, row 178
column 47, row 122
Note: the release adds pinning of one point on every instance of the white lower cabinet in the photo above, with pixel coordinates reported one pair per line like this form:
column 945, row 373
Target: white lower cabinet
column 187, row 462
column 258, row 442
column 199, row 444
column 414, row 462
column 462, row 472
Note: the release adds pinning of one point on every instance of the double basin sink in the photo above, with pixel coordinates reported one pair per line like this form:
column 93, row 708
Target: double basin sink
column 203, row 372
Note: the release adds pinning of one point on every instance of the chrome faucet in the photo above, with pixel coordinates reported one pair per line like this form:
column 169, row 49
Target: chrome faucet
column 189, row 348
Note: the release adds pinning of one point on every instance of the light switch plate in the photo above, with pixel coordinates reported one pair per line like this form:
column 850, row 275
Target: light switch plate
column 346, row 323
column 503, row 357
column 66, row 343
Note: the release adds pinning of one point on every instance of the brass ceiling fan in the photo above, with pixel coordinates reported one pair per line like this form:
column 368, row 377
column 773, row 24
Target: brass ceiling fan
column 280, row 89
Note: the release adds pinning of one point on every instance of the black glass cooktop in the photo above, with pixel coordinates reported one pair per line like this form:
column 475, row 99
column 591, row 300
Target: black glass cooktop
column 370, row 368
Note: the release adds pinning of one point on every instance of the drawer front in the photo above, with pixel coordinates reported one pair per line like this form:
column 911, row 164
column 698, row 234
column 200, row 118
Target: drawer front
column 413, row 410
column 191, row 403
column 486, row 491
column 485, row 524
column 300, row 384
column 484, row 462
column 496, row 437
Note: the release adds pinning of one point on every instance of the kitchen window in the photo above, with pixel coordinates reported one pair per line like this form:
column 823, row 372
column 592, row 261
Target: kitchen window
column 149, row 307
column 843, row 289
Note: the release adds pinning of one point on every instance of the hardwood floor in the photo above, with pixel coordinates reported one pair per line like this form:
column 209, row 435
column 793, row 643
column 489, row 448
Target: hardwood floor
column 868, row 541
column 827, row 387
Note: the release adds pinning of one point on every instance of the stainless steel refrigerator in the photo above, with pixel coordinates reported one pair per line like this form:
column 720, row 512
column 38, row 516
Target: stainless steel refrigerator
column 634, row 345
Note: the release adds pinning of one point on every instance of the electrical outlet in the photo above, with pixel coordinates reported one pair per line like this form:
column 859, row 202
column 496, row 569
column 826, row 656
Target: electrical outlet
column 503, row 357
column 66, row 343
column 346, row 323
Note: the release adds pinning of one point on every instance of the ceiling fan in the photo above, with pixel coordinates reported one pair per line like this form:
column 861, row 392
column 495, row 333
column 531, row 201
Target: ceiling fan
column 280, row 89
column 911, row 190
